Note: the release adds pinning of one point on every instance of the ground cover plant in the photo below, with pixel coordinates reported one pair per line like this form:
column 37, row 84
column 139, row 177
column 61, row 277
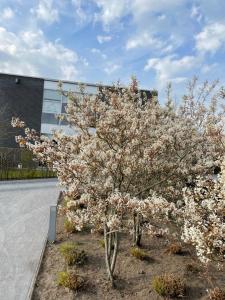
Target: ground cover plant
column 169, row 285
column 72, row 255
column 70, row 280
column 136, row 166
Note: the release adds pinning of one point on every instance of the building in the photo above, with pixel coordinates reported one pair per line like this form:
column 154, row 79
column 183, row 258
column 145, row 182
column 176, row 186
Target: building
column 36, row 101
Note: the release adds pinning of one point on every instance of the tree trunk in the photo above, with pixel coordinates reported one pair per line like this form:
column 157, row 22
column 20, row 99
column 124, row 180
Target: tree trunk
column 137, row 234
column 111, row 250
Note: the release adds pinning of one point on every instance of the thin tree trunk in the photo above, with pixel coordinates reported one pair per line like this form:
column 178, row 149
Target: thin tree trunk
column 137, row 234
column 111, row 250
column 115, row 251
column 107, row 257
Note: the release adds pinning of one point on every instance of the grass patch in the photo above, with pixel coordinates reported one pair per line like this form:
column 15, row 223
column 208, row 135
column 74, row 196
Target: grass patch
column 72, row 255
column 174, row 248
column 11, row 174
column 138, row 253
column 70, row 280
column 69, row 226
column 216, row 294
column 168, row 285
column 102, row 243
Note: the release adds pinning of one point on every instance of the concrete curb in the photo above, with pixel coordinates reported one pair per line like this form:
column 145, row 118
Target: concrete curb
column 34, row 279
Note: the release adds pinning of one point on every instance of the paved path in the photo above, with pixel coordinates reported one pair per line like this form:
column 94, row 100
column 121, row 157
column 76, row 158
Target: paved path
column 24, row 217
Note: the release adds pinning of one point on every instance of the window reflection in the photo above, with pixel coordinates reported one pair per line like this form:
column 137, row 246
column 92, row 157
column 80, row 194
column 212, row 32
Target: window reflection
column 51, row 106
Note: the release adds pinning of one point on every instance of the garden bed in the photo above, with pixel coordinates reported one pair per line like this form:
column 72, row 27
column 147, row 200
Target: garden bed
column 133, row 276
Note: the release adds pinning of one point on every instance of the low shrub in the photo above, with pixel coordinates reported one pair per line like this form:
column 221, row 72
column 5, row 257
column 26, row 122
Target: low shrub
column 216, row 294
column 138, row 253
column 72, row 255
column 168, row 285
column 69, row 227
column 174, row 248
column 193, row 268
column 102, row 243
column 70, row 280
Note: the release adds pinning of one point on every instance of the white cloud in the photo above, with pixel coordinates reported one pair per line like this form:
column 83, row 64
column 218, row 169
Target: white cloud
column 30, row 53
column 84, row 61
column 211, row 38
column 45, row 11
column 144, row 40
column 140, row 7
column 80, row 12
column 162, row 17
column 103, row 38
column 98, row 51
column 7, row 13
column 196, row 13
column 111, row 11
column 206, row 68
column 111, row 68
column 169, row 68
column 147, row 40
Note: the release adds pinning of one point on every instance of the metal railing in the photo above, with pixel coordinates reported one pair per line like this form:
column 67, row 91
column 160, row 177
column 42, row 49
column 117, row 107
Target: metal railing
column 17, row 163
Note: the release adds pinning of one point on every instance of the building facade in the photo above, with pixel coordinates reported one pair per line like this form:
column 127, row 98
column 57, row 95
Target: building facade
column 36, row 101
column 22, row 97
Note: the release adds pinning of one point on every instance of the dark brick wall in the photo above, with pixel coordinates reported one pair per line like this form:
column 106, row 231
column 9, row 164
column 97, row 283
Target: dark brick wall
column 22, row 99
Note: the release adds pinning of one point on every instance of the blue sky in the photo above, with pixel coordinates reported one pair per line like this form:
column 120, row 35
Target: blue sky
column 159, row 41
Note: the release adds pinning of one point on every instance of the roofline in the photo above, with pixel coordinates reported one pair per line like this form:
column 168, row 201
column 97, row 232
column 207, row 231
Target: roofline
column 66, row 81
column 11, row 74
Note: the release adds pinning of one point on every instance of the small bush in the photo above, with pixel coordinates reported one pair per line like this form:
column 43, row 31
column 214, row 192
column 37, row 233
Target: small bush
column 174, row 248
column 102, row 243
column 168, row 285
column 72, row 255
column 138, row 253
column 70, row 280
column 69, row 227
column 192, row 268
column 216, row 294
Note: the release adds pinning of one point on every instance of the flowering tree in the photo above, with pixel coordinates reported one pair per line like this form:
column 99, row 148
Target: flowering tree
column 129, row 157
column 204, row 223
column 114, row 214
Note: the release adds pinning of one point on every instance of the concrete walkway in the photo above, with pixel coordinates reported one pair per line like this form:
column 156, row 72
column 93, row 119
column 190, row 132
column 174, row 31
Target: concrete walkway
column 24, row 217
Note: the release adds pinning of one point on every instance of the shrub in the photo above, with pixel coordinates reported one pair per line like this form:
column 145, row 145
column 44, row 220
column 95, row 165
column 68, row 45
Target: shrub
column 216, row 294
column 72, row 255
column 168, row 285
column 192, row 268
column 138, row 253
column 174, row 248
column 102, row 243
column 69, row 226
column 70, row 280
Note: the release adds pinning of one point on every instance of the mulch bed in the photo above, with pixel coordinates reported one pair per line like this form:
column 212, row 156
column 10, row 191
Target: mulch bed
column 133, row 277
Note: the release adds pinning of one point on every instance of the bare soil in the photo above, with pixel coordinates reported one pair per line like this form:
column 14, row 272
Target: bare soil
column 133, row 277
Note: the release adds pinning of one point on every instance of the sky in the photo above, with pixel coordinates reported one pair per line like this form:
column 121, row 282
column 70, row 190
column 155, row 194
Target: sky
column 103, row 41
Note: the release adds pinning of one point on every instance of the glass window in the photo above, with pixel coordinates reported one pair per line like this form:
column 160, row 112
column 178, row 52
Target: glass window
column 51, row 106
column 51, row 84
column 91, row 89
column 64, row 122
column 73, row 87
column 48, row 128
column 63, row 107
column 64, row 99
column 51, row 94
column 49, row 119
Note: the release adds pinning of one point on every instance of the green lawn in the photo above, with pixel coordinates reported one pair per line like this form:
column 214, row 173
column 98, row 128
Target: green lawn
column 25, row 174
